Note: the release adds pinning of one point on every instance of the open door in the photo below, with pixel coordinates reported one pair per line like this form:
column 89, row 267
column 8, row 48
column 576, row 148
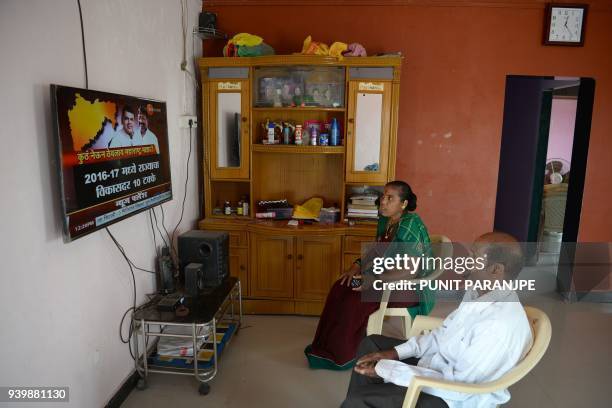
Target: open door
column 527, row 110
column 522, row 157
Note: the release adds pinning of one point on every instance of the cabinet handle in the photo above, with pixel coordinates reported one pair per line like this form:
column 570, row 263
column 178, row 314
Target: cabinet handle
column 289, row 256
column 242, row 268
column 245, row 119
column 299, row 257
column 351, row 120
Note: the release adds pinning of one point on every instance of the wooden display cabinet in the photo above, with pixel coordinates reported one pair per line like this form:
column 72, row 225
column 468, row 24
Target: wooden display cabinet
column 286, row 269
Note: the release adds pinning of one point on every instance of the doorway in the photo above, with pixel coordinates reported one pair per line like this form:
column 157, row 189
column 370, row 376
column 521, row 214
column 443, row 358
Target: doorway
column 544, row 147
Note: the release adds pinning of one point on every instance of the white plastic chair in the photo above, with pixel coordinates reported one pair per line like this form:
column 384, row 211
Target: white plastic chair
column 442, row 248
column 541, row 330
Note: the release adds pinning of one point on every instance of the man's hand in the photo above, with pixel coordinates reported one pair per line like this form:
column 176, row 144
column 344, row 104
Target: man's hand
column 368, row 369
column 355, row 269
column 366, row 364
column 378, row 355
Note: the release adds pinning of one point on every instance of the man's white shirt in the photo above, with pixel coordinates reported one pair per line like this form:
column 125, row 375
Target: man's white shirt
column 479, row 342
column 122, row 139
column 149, row 138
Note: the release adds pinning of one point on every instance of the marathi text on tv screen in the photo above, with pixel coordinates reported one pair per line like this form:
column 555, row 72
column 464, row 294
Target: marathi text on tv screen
column 114, row 159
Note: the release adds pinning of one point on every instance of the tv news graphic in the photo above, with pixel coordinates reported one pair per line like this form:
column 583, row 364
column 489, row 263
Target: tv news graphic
column 113, row 157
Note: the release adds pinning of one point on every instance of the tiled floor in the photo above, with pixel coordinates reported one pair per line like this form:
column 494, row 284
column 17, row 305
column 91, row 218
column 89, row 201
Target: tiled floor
column 265, row 366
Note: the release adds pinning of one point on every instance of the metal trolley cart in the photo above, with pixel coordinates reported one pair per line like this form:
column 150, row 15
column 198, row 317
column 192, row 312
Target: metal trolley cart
column 206, row 312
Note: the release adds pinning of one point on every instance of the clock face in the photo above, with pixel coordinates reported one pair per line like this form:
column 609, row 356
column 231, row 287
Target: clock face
column 566, row 24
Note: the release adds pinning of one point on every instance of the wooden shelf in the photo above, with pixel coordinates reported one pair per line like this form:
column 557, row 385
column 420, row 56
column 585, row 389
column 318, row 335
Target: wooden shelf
column 298, row 109
column 294, row 149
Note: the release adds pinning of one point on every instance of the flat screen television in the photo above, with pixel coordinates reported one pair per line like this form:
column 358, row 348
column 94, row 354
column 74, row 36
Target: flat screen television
column 113, row 157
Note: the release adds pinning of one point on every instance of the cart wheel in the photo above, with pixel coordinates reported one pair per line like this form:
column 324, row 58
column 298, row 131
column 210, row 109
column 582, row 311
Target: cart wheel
column 204, row 389
column 142, row 384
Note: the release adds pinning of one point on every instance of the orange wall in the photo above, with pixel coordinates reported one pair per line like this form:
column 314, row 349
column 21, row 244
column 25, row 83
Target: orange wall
column 452, row 92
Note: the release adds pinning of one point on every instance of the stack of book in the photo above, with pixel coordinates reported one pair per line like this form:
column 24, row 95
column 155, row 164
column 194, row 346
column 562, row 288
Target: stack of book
column 362, row 207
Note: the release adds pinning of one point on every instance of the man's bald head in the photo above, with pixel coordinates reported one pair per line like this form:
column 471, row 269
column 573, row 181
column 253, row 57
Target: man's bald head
column 503, row 253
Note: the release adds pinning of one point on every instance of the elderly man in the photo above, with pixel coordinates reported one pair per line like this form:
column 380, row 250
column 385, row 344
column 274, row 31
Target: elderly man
column 484, row 338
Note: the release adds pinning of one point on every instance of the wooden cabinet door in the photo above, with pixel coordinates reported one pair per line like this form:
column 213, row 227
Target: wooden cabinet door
column 238, row 266
column 318, row 263
column 228, row 124
column 271, row 266
column 368, row 131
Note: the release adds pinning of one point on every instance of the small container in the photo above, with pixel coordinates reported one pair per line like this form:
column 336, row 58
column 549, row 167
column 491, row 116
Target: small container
column 239, row 208
column 298, row 134
column 271, row 133
column 227, row 208
column 245, row 206
column 314, row 136
column 324, row 139
column 329, row 215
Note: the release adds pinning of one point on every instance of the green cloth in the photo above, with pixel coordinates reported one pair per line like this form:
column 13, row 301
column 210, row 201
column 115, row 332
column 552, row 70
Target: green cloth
column 255, row 50
column 411, row 229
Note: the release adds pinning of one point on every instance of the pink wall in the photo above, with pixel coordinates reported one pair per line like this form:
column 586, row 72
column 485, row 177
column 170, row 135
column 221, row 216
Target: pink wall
column 561, row 135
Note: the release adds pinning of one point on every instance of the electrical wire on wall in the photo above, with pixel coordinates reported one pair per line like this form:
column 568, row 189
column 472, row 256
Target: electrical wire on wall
column 83, row 42
column 184, row 31
column 130, row 263
column 186, row 182
column 167, row 238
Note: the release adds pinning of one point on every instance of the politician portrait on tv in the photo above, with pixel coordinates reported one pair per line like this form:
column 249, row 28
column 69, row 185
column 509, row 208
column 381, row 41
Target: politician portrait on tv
column 114, row 159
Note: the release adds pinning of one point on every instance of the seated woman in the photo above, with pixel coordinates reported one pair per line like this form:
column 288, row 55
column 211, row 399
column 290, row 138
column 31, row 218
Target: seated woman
column 345, row 317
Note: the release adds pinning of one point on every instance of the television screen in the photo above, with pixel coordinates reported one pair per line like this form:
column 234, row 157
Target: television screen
column 113, row 157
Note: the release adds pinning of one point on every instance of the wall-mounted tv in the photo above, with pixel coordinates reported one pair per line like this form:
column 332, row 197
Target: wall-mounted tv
column 113, row 157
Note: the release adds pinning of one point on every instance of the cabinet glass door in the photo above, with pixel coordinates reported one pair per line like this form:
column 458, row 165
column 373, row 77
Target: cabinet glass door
column 368, row 131
column 229, row 120
column 298, row 86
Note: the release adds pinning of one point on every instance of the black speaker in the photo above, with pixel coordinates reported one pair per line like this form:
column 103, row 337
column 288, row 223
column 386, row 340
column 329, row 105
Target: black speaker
column 194, row 279
column 208, row 20
column 209, row 248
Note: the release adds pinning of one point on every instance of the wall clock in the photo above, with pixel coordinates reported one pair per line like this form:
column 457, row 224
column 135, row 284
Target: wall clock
column 564, row 24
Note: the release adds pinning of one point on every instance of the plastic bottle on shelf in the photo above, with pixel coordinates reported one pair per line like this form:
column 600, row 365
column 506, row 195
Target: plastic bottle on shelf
column 271, row 128
column 314, row 136
column 298, row 134
column 334, row 130
column 239, row 208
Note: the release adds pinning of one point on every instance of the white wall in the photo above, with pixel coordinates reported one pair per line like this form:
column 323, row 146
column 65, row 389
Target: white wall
column 61, row 303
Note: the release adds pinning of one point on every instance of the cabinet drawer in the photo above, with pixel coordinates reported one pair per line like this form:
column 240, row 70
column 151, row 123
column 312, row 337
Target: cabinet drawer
column 352, row 243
